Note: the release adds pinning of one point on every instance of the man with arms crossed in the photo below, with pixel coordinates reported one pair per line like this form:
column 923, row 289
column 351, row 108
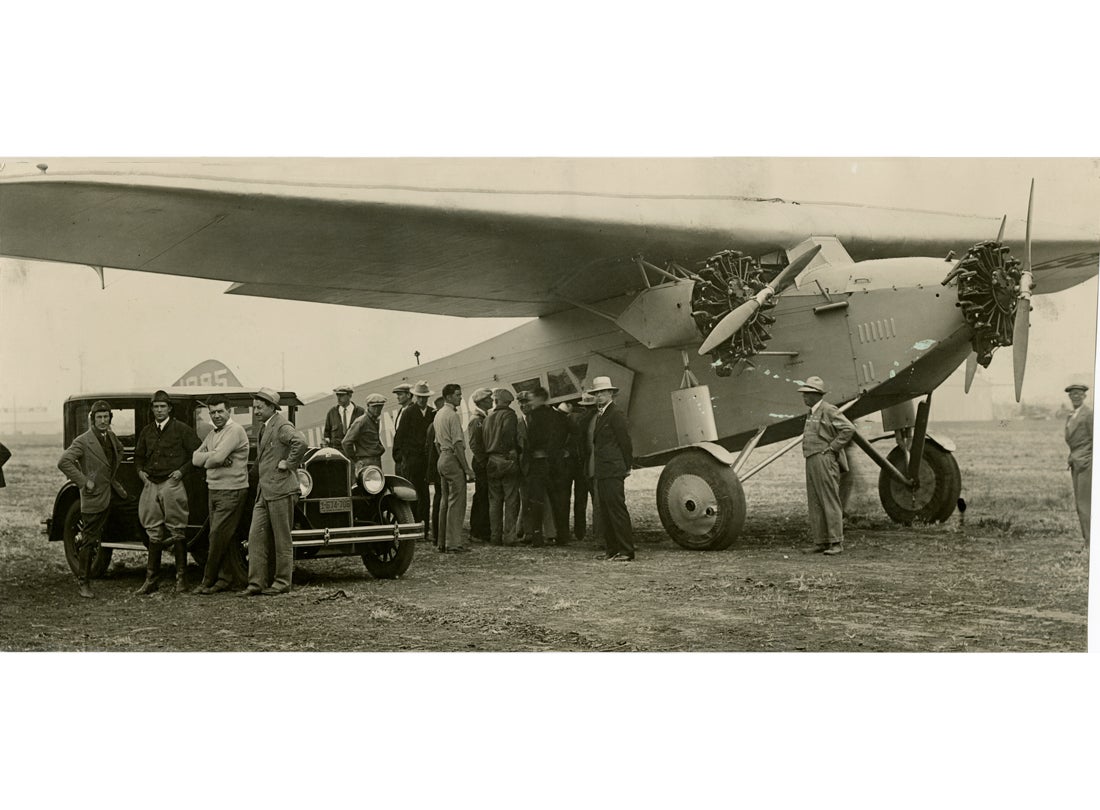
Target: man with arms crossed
column 279, row 450
column 224, row 456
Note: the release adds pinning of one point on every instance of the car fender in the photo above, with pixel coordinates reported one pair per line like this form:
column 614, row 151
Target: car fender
column 65, row 496
column 400, row 487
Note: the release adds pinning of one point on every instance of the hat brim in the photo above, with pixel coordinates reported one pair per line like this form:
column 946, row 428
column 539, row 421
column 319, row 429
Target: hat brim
column 805, row 389
column 1077, row 388
column 267, row 399
column 598, row 390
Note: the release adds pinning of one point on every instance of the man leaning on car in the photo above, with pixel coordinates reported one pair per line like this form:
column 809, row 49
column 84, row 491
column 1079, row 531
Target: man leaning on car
column 162, row 458
column 224, row 456
column 279, row 450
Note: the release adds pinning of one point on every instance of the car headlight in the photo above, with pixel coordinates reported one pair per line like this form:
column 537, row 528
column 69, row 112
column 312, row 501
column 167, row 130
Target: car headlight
column 305, row 482
column 372, row 480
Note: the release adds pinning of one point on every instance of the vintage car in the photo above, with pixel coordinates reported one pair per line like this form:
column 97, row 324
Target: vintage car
column 338, row 514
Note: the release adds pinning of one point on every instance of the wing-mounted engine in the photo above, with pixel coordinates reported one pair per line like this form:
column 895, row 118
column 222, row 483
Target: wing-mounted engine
column 988, row 289
column 727, row 281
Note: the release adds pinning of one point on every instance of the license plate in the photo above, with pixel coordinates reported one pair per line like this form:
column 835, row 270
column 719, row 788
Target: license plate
column 335, row 505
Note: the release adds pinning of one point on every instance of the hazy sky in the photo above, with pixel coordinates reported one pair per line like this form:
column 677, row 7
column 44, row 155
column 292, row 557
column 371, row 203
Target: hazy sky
column 146, row 330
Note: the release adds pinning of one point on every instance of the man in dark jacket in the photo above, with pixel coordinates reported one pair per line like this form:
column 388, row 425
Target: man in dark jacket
column 610, row 458
column 340, row 416
column 162, row 459
column 482, row 401
column 501, row 433
column 431, row 454
column 91, row 462
column 5, row 454
column 409, row 451
column 363, row 441
column 583, row 412
column 547, row 435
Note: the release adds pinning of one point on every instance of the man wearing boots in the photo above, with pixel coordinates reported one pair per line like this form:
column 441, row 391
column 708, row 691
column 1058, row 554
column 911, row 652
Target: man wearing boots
column 280, row 448
column 162, row 458
column 91, row 462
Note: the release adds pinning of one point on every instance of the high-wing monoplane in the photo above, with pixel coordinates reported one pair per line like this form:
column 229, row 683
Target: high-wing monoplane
column 708, row 311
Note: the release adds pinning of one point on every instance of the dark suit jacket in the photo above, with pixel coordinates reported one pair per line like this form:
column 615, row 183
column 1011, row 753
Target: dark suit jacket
column 611, row 450
column 412, row 430
column 1079, row 438
column 5, row 454
column 85, row 461
column 281, row 441
column 334, row 428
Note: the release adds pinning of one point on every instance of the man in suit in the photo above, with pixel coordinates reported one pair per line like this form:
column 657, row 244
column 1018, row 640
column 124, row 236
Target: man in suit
column 431, row 455
column 579, row 417
column 609, row 460
column 5, row 454
column 363, row 441
column 482, row 402
column 409, row 438
column 340, row 416
column 91, row 462
column 825, row 435
column 1079, row 439
column 547, row 436
column 163, row 460
column 280, row 449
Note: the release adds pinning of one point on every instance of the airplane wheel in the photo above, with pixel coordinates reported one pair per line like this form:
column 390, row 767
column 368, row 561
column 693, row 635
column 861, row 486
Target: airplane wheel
column 700, row 501
column 934, row 500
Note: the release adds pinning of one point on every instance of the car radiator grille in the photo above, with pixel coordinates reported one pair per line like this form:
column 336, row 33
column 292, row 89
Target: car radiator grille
column 330, row 480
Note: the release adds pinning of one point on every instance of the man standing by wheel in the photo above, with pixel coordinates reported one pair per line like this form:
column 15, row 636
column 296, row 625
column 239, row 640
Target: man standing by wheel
column 224, row 456
column 279, row 450
column 363, row 442
column 825, row 435
column 91, row 462
column 340, row 416
column 454, row 471
column 162, row 459
column 409, row 451
column 612, row 455
column 480, row 529
column 1079, row 439
column 501, row 433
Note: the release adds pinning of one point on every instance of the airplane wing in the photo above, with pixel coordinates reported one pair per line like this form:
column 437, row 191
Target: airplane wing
column 472, row 252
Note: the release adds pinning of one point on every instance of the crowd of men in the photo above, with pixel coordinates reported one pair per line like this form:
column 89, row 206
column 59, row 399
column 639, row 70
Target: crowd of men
column 527, row 466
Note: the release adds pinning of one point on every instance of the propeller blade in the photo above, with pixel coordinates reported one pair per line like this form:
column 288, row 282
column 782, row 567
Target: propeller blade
column 971, row 370
column 1019, row 344
column 791, row 271
column 1001, row 232
column 1027, row 235
column 728, row 326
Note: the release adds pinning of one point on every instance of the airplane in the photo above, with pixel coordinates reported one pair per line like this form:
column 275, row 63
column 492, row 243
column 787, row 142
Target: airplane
column 708, row 311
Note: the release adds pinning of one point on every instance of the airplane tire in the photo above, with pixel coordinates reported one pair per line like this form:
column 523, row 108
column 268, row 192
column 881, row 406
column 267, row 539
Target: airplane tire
column 700, row 502
column 935, row 500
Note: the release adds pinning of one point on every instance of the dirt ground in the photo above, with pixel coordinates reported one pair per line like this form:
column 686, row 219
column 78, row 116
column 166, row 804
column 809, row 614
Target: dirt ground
column 1014, row 576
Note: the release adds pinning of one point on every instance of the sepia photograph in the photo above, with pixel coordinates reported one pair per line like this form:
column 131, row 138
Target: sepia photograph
column 726, row 404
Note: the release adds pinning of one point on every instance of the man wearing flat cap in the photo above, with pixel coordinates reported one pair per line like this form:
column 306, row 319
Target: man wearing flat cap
column 409, row 445
column 91, row 462
column 340, row 416
column 825, row 435
column 363, row 442
column 1079, row 439
column 501, row 433
column 280, row 449
column 163, row 459
column 482, row 402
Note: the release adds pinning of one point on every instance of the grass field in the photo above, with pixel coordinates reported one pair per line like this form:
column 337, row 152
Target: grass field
column 1013, row 577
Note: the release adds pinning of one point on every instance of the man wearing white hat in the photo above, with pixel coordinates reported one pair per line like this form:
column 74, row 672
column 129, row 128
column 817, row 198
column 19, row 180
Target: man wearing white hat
column 409, row 453
column 280, row 448
column 1079, row 439
column 340, row 416
column 363, row 442
column 611, row 455
column 826, row 433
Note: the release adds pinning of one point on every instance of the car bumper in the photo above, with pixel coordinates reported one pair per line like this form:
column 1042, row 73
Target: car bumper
column 308, row 538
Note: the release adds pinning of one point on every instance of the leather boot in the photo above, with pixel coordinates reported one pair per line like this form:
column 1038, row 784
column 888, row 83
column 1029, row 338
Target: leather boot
column 152, row 571
column 85, row 564
column 181, row 567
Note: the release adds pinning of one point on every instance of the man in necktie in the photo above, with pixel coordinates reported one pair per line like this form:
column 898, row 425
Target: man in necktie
column 825, row 435
column 340, row 416
column 1079, row 439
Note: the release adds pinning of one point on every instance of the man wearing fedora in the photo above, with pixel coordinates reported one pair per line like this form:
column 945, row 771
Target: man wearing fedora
column 481, row 403
column 609, row 460
column 363, row 441
column 825, row 435
column 91, row 462
column 409, row 438
column 1079, row 439
column 279, row 450
column 340, row 416
column 162, row 459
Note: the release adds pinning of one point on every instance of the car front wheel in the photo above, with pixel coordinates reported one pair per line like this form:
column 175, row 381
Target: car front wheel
column 391, row 559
